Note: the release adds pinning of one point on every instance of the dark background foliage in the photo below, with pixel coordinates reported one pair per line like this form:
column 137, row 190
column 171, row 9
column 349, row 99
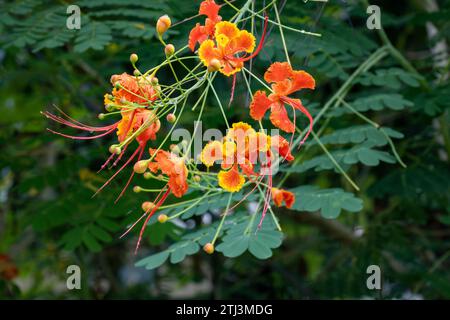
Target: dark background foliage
column 49, row 221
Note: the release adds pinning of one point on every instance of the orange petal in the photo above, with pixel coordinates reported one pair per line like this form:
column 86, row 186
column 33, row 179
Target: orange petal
column 281, row 145
column 279, row 196
column 227, row 29
column 231, row 180
column 278, row 71
column 210, row 9
column 197, row 35
column 231, row 68
column 243, row 42
column 279, row 118
column 260, row 104
column 211, row 153
column 302, row 80
column 207, row 52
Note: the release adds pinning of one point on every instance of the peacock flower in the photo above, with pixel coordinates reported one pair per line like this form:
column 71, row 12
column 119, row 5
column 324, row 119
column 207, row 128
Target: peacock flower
column 201, row 33
column 285, row 82
column 230, row 48
column 136, row 123
column 135, row 89
column 279, row 196
column 171, row 166
column 237, row 153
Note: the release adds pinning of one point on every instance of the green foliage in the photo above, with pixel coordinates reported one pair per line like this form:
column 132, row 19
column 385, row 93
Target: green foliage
column 49, row 219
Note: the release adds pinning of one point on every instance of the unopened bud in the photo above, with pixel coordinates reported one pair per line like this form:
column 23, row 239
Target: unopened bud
column 214, row 65
column 155, row 81
column 134, row 58
column 197, row 178
column 175, row 149
column 169, row 50
column 137, row 189
column 109, row 107
column 148, row 175
column 209, row 248
column 115, row 149
column 163, row 24
column 140, row 166
column 147, row 206
column 101, row 116
column 171, row 117
column 162, row 218
column 136, row 73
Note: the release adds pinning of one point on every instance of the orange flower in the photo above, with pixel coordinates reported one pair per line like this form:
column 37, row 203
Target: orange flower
column 285, row 81
column 279, row 195
column 201, row 33
column 238, row 152
column 173, row 167
column 230, row 48
column 133, row 89
column 135, row 120
column 231, row 180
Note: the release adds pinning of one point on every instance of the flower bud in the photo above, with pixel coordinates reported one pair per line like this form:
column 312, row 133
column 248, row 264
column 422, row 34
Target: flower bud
column 163, row 24
column 137, row 189
column 209, row 248
column 123, row 100
column 169, row 50
column 214, row 65
column 155, row 81
column 101, row 116
column 171, row 118
column 148, row 175
column 115, row 149
column 137, row 73
column 147, row 206
column 134, row 58
column 140, row 166
column 197, row 178
column 109, row 107
column 175, row 149
column 162, row 218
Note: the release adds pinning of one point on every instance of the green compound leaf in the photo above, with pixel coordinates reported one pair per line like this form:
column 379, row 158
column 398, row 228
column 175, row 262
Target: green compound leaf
column 258, row 242
column 392, row 77
column 330, row 202
column 153, row 261
column 375, row 102
column 346, row 158
column 360, row 134
column 93, row 35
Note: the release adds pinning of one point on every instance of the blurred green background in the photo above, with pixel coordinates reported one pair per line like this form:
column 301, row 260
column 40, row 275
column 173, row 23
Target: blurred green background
column 46, row 182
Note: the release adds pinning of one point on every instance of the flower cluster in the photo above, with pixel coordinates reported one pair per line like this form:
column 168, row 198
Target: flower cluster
column 245, row 156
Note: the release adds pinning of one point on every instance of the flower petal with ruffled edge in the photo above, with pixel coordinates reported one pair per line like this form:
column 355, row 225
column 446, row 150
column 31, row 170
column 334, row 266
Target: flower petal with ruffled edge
column 211, row 153
column 279, row 195
column 231, row 180
column 259, row 105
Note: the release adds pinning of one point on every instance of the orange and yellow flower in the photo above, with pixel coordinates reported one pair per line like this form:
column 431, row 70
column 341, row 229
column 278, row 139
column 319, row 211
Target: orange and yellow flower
column 227, row 48
column 285, row 81
column 134, row 89
column 279, row 196
column 238, row 151
column 201, row 33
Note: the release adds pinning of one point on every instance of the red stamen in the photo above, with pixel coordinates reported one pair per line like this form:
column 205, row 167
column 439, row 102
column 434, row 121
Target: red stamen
column 233, row 86
column 76, row 124
column 82, row 138
column 160, row 202
column 132, row 175
column 261, row 42
column 118, row 171
column 138, row 220
column 299, row 106
column 106, row 162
